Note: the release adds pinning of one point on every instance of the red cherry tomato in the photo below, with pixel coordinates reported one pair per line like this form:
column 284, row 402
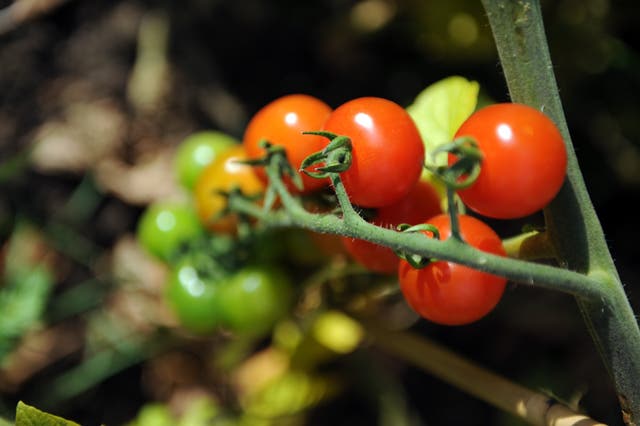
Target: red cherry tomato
column 524, row 160
column 282, row 122
column 422, row 203
column 448, row 293
column 388, row 152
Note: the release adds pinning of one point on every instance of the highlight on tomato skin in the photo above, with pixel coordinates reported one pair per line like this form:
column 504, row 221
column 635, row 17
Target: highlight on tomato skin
column 282, row 122
column 448, row 293
column 192, row 297
column 524, row 161
column 387, row 150
column 164, row 226
column 422, row 202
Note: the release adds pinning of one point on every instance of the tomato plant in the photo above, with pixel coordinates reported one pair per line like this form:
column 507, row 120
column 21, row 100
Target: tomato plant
column 281, row 122
column 387, row 150
column 224, row 174
column 193, row 296
column 165, row 225
column 422, row 203
column 196, row 152
column 524, row 160
column 254, row 298
column 452, row 294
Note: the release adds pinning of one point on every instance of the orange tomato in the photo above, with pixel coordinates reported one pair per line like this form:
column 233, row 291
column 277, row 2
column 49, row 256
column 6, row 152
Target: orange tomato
column 224, row 174
column 282, row 122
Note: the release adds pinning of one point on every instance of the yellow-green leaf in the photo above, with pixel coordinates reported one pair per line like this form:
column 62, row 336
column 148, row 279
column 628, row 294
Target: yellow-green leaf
column 440, row 109
column 27, row 415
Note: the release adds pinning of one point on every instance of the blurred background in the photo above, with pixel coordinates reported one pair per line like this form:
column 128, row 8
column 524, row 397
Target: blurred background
column 96, row 95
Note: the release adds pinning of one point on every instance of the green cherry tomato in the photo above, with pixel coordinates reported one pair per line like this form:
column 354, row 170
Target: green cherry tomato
column 165, row 226
column 197, row 151
column 193, row 296
column 255, row 298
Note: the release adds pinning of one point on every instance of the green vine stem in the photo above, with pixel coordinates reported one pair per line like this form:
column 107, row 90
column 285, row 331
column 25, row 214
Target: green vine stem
column 572, row 223
column 590, row 288
column 350, row 224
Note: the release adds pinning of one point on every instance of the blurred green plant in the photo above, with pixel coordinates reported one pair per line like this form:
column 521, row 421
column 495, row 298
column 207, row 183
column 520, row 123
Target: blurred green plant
column 25, row 288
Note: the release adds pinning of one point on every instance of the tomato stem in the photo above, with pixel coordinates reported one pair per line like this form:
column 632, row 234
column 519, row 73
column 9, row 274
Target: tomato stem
column 334, row 158
column 572, row 223
column 350, row 224
column 452, row 209
column 532, row 245
column 465, row 170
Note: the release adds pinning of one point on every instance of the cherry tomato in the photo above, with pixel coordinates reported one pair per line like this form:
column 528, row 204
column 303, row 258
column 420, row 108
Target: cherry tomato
column 254, row 298
column 196, row 152
column 164, row 226
column 524, row 160
column 387, row 150
column 193, row 296
column 452, row 294
column 282, row 122
column 222, row 175
column 422, row 203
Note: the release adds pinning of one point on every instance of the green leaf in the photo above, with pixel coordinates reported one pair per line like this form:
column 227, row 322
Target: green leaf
column 25, row 286
column 5, row 422
column 440, row 109
column 22, row 304
column 30, row 416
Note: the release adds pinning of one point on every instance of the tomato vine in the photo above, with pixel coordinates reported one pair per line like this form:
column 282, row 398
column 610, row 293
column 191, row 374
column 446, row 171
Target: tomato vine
column 585, row 267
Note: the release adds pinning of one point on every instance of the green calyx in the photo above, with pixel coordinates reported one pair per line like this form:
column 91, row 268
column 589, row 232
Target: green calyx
column 465, row 170
column 417, row 261
column 336, row 157
column 284, row 167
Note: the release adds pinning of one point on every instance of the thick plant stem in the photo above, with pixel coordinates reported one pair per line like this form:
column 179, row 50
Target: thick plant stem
column 571, row 220
column 535, row 408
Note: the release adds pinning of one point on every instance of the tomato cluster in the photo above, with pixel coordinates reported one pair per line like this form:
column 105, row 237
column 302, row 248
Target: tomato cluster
column 215, row 281
column 522, row 167
column 248, row 301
